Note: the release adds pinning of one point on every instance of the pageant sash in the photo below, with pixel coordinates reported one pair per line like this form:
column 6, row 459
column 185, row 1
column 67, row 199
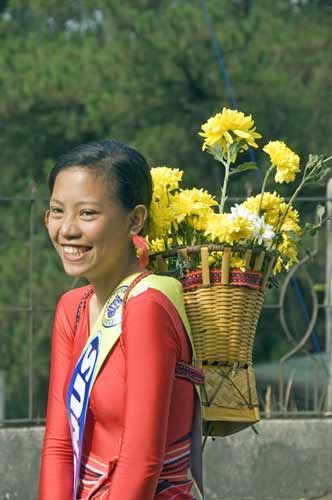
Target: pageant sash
column 103, row 337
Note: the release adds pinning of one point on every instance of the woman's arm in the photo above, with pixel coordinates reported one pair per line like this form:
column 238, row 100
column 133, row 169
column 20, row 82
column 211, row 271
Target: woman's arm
column 151, row 350
column 56, row 481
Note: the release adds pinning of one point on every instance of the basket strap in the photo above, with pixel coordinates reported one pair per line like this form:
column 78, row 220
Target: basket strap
column 81, row 306
column 184, row 370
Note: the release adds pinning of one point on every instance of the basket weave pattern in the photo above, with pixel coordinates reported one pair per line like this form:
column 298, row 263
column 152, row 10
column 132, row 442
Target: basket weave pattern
column 223, row 321
column 223, row 306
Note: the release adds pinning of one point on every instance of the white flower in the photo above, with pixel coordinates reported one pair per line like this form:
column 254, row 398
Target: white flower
column 262, row 232
column 240, row 211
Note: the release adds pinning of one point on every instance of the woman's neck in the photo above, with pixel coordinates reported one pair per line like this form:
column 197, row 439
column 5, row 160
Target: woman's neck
column 104, row 286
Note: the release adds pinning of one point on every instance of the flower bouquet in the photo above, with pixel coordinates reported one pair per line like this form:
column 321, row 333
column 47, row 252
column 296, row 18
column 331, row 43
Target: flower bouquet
column 227, row 259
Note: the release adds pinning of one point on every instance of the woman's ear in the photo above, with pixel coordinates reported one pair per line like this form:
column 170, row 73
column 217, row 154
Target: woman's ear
column 137, row 218
column 46, row 218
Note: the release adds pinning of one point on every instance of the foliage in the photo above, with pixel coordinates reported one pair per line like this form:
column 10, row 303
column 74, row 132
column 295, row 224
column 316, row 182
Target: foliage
column 145, row 73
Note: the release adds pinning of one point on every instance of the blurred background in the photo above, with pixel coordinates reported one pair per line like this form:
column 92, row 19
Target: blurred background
column 149, row 73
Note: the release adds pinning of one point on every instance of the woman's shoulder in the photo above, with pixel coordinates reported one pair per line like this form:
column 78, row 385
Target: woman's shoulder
column 158, row 292
column 160, row 302
column 169, row 287
column 74, row 296
column 70, row 301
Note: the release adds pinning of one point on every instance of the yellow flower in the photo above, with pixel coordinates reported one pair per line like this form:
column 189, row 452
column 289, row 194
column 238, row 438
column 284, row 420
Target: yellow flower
column 217, row 228
column 291, row 221
column 237, row 261
column 215, row 258
column 290, row 225
column 160, row 220
column 220, row 229
column 278, row 266
column 194, row 205
column 164, row 180
column 288, row 250
column 240, row 229
column 227, row 127
column 157, row 245
column 286, row 161
column 271, row 206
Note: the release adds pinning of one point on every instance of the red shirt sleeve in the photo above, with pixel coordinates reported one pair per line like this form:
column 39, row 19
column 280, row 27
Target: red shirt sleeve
column 56, row 477
column 151, row 349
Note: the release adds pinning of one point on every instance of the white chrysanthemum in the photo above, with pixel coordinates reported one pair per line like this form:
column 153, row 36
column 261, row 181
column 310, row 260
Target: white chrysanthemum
column 262, row 232
column 241, row 211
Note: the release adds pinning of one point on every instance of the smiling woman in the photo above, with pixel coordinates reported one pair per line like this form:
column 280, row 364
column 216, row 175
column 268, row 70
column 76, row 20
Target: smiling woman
column 114, row 430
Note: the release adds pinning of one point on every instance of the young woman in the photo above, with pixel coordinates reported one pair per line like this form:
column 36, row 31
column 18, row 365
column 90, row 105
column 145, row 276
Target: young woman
column 120, row 418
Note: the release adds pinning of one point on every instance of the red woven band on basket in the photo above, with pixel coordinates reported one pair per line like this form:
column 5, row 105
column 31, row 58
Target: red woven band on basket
column 237, row 277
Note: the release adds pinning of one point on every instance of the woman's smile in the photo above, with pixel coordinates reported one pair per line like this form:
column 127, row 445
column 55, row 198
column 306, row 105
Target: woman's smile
column 74, row 253
column 88, row 227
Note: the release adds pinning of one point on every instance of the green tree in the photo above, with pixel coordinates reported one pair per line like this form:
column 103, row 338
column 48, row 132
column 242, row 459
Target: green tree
column 143, row 72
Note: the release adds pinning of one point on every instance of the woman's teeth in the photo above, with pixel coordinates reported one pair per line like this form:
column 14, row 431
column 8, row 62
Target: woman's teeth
column 75, row 250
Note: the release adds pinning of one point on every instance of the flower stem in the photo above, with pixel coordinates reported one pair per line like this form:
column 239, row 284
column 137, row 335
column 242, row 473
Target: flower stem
column 327, row 159
column 267, row 175
column 224, row 187
column 294, row 195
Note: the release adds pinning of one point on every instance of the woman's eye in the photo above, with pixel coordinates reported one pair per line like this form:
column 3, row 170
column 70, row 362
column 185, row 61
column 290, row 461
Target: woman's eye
column 55, row 210
column 87, row 213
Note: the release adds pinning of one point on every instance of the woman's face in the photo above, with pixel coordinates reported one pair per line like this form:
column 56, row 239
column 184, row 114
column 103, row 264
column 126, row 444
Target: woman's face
column 89, row 229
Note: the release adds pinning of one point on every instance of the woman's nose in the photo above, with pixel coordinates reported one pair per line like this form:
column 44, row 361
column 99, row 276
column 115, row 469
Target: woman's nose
column 69, row 228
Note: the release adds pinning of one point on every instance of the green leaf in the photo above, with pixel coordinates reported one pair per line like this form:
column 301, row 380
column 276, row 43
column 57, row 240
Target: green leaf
column 217, row 152
column 250, row 165
column 320, row 211
column 311, row 228
column 293, row 236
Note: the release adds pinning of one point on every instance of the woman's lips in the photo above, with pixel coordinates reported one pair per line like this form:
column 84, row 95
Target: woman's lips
column 73, row 253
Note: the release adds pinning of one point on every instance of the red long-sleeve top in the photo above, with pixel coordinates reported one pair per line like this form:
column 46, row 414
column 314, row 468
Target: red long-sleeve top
column 138, row 411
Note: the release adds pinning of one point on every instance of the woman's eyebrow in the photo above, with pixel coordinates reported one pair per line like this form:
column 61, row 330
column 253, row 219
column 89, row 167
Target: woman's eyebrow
column 88, row 202
column 79, row 203
column 54, row 200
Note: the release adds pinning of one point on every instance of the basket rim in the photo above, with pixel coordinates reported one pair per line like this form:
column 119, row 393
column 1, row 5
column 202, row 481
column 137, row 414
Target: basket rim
column 213, row 248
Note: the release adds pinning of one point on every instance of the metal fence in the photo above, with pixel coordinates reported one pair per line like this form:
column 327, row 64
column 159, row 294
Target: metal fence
column 295, row 380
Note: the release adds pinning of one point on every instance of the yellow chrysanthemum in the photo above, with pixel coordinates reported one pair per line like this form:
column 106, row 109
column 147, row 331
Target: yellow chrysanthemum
column 220, row 229
column 278, row 266
column 289, row 254
column 271, row 207
column 217, row 228
column 286, row 161
column 215, row 258
column 240, row 229
column 157, row 245
column 165, row 179
column 194, row 205
column 227, row 127
column 237, row 261
column 290, row 225
column 160, row 220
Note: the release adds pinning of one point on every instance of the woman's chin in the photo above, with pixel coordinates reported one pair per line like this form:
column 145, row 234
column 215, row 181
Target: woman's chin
column 74, row 271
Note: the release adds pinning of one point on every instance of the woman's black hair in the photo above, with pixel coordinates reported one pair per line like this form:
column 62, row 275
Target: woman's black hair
column 122, row 165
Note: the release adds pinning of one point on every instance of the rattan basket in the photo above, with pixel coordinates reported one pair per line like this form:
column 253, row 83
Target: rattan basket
column 223, row 307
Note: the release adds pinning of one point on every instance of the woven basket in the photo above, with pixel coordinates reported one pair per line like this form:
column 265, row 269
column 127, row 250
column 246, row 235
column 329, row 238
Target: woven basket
column 223, row 307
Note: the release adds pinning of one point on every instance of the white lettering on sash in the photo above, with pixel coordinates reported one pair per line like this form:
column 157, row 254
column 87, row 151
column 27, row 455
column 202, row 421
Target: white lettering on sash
column 76, row 433
column 80, row 386
column 88, row 363
column 76, row 404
